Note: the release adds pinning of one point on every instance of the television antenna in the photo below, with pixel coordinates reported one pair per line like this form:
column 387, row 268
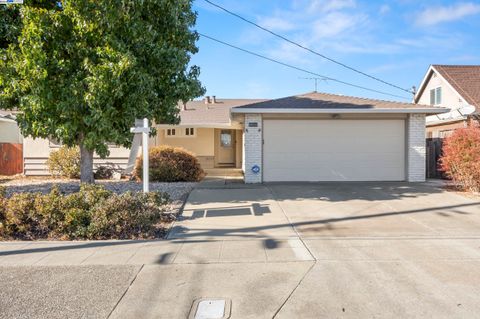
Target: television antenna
column 316, row 81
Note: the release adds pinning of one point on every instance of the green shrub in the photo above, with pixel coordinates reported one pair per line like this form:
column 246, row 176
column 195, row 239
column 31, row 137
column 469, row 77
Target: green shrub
column 170, row 164
column 91, row 213
column 64, row 162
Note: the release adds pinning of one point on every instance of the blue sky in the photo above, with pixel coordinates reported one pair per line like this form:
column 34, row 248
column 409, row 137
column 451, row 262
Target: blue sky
column 393, row 40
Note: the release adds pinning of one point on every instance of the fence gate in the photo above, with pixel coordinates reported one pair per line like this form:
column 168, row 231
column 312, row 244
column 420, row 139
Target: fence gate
column 11, row 159
column 434, row 151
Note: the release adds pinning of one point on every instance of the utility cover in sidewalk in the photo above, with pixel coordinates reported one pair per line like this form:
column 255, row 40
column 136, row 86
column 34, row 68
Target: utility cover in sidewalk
column 214, row 308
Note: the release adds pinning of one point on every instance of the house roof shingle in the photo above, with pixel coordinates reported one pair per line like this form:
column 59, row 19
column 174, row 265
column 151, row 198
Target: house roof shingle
column 218, row 113
column 465, row 79
column 325, row 101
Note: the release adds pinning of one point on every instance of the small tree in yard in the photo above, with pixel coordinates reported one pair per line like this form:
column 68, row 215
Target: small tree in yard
column 461, row 158
column 82, row 71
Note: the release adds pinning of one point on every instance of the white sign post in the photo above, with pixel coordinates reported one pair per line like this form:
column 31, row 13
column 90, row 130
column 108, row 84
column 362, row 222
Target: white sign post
column 145, row 130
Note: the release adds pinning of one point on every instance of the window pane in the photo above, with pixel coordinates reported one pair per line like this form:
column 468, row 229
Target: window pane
column 187, row 131
column 225, row 138
column 439, row 96
column 432, row 97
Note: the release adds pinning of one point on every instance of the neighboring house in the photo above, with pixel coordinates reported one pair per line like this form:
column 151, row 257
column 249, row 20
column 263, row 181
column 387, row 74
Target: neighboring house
column 326, row 137
column 36, row 152
column 456, row 87
column 10, row 145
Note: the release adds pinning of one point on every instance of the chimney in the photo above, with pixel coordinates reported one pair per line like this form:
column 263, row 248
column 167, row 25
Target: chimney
column 214, row 99
column 207, row 99
column 184, row 104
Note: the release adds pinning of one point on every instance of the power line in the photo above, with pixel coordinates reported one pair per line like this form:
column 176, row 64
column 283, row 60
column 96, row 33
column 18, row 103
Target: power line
column 307, row 48
column 300, row 69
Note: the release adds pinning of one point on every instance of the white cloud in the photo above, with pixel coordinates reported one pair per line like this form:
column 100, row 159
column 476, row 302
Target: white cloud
column 336, row 24
column 314, row 6
column 384, row 9
column 435, row 15
column 276, row 24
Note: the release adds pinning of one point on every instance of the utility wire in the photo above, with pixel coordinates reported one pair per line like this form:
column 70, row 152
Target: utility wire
column 300, row 69
column 308, row 49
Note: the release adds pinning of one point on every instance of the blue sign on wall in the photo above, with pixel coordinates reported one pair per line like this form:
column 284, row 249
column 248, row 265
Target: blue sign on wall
column 255, row 169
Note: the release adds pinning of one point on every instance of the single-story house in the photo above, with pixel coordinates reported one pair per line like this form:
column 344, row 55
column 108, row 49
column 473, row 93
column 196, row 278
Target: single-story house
column 456, row 87
column 327, row 137
column 309, row 137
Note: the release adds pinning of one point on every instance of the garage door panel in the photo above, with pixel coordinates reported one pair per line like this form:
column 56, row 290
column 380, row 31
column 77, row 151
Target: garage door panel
column 334, row 150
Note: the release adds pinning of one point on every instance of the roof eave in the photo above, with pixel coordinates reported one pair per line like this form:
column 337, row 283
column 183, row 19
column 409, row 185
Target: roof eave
column 354, row 111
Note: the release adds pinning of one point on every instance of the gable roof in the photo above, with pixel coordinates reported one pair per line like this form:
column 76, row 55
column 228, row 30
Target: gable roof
column 326, row 103
column 465, row 79
column 198, row 113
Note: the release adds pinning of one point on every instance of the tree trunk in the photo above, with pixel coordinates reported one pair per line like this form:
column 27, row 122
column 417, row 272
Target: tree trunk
column 86, row 165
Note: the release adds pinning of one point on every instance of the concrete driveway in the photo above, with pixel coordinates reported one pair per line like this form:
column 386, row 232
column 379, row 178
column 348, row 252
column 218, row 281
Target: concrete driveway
column 385, row 250
column 334, row 250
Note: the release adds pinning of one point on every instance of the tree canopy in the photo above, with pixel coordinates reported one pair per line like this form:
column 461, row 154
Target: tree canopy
column 82, row 71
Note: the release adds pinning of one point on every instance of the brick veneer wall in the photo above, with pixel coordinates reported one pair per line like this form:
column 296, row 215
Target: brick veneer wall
column 252, row 148
column 416, row 148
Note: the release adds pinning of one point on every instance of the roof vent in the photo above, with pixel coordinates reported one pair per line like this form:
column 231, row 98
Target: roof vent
column 214, row 99
column 207, row 100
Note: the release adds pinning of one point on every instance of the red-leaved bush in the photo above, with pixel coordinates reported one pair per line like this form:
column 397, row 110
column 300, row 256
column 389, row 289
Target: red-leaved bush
column 461, row 158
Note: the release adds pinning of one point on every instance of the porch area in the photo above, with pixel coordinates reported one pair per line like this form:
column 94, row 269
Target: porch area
column 218, row 149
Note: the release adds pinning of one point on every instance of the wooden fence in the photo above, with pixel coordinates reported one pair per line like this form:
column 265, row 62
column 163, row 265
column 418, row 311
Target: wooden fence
column 434, row 151
column 11, row 159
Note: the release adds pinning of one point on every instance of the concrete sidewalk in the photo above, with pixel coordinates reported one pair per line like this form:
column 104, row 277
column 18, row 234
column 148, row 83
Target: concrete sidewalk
column 388, row 250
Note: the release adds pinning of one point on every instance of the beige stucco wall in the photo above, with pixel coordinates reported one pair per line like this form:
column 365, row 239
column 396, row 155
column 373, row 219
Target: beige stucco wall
column 202, row 144
column 9, row 132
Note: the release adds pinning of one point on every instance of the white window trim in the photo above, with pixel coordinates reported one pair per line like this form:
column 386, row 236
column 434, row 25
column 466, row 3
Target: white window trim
column 435, row 95
column 180, row 132
column 190, row 128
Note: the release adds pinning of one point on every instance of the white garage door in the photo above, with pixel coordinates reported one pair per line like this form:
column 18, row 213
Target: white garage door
column 334, row 150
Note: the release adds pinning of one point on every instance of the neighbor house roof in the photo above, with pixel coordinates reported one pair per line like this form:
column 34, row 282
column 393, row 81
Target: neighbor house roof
column 214, row 114
column 327, row 103
column 465, row 79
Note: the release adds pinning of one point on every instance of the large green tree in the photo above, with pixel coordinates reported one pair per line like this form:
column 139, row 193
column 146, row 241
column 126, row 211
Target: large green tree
column 82, row 71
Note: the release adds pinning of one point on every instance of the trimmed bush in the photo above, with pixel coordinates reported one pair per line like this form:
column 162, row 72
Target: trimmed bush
column 170, row 164
column 91, row 213
column 461, row 158
column 64, row 162
column 103, row 172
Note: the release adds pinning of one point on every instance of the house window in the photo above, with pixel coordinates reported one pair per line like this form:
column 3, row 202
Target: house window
column 436, row 96
column 189, row 131
column 226, row 138
column 170, row 132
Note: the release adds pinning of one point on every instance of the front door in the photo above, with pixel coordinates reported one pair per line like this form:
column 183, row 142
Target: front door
column 226, row 147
